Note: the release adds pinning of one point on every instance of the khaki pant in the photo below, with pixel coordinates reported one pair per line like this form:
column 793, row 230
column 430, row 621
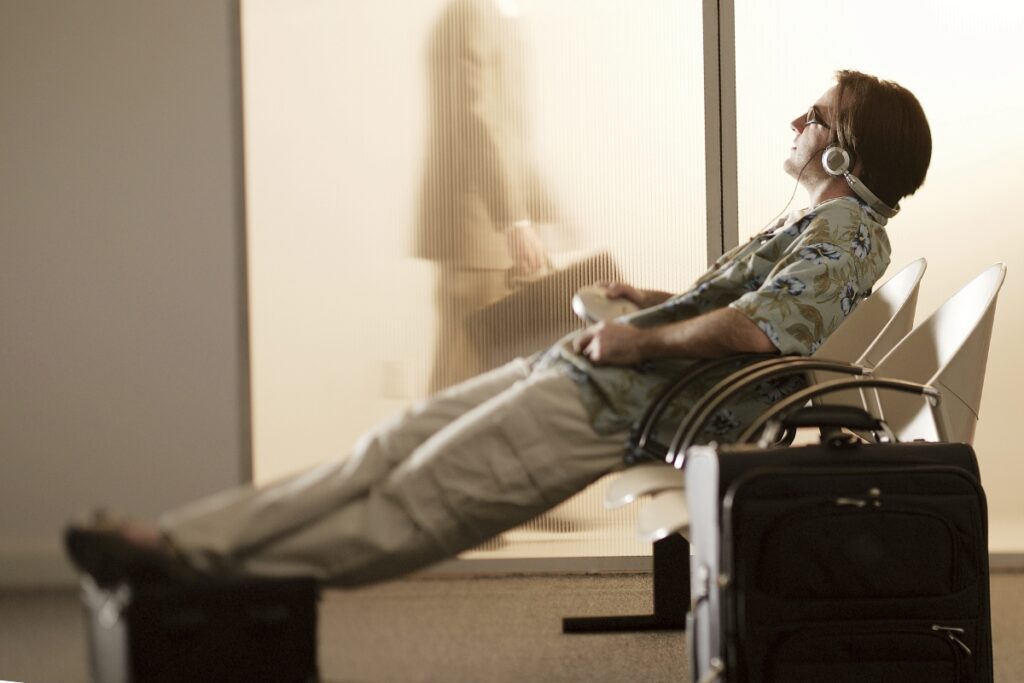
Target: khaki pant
column 451, row 472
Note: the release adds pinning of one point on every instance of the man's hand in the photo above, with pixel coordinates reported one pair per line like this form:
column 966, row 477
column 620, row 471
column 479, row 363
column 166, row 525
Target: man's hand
column 526, row 247
column 723, row 332
column 611, row 343
column 643, row 298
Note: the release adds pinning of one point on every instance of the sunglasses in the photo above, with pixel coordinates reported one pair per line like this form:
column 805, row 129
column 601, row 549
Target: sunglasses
column 814, row 117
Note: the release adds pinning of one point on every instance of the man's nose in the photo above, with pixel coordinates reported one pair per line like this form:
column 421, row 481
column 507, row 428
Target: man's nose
column 798, row 124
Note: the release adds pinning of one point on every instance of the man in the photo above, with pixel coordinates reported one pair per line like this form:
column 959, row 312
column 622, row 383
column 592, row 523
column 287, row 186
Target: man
column 503, row 447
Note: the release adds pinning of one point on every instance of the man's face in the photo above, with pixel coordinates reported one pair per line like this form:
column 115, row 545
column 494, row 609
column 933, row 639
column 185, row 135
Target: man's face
column 812, row 137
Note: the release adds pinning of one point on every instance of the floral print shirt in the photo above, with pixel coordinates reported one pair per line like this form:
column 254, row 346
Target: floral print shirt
column 797, row 281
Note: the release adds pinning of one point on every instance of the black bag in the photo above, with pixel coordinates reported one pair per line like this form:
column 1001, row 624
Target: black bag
column 168, row 633
column 838, row 562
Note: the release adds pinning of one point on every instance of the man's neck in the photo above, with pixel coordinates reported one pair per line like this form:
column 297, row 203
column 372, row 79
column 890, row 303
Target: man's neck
column 832, row 189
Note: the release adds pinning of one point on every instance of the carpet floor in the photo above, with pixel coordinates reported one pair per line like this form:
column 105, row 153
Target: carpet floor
column 452, row 630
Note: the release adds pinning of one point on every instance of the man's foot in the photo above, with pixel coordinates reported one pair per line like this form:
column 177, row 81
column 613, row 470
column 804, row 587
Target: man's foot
column 112, row 552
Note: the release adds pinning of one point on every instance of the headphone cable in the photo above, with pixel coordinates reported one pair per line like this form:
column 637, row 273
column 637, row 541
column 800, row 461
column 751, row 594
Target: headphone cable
column 799, row 175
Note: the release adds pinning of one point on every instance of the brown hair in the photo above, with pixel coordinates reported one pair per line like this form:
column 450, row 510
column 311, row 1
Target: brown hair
column 882, row 125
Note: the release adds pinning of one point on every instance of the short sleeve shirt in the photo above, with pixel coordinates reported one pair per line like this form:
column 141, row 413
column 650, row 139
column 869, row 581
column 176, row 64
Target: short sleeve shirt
column 797, row 281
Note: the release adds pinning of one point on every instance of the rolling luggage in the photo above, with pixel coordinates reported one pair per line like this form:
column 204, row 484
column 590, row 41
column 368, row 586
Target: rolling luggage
column 839, row 562
column 242, row 631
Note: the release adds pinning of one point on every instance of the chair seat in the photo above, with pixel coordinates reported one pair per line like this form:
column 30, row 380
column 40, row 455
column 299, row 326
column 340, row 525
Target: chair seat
column 665, row 515
column 640, row 480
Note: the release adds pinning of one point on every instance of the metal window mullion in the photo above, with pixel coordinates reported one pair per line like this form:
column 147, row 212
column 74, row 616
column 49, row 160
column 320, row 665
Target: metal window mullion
column 720, row 126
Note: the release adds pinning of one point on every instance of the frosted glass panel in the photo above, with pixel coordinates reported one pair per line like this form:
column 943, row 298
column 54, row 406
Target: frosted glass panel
column 962, row 60
column 391, row 145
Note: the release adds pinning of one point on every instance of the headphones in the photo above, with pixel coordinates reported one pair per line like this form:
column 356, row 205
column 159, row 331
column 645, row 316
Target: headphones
column 836, row 161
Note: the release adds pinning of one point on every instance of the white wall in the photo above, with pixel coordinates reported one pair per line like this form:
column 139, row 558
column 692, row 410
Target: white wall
column 122, row 328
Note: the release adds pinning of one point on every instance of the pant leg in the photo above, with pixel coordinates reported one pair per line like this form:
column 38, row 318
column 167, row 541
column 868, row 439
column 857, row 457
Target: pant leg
column 502, row 463
column 215, row 530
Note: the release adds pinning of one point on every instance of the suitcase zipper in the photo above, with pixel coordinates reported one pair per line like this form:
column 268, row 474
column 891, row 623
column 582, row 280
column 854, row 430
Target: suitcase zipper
column 950, row 632
column 874, row 499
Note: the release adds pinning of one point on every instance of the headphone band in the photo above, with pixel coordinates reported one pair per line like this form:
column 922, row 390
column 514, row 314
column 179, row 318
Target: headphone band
column 836, row 162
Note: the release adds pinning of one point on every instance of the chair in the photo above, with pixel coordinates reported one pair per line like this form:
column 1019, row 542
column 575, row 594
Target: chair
column 880, row 320
column 928, row 386
column 942, row 361
column 867, row 335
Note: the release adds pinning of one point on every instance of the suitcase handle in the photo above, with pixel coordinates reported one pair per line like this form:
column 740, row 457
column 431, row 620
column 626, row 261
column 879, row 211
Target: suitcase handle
column 930, row 394
column 829, row 419
column 833, row 416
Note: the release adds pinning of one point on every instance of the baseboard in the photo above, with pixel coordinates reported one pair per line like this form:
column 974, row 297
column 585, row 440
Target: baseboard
column 34, row 566
column 1006, row 562
column 539, row 565
column 998, row 562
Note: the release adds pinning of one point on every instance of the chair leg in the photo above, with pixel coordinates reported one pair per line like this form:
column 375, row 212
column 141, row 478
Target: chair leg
column 671, row 596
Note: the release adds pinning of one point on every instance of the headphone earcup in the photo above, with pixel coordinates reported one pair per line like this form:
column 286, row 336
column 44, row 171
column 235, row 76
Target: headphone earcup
column 835, row 160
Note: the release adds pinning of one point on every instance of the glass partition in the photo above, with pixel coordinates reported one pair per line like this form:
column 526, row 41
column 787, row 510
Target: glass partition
column 390, row 145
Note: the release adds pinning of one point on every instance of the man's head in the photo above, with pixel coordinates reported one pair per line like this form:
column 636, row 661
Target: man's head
column 879, row 123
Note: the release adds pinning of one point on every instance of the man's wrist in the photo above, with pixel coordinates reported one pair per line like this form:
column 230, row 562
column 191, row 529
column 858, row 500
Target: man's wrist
column 649, row 342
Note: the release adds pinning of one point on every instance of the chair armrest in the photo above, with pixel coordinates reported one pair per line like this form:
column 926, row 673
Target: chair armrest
column 798, row 399
column 728, row 388
column 640, row 444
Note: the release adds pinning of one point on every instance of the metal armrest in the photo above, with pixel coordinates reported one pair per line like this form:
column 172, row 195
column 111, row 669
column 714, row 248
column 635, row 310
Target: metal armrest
column 797, row 400
column 640, row 445
column 728, row 388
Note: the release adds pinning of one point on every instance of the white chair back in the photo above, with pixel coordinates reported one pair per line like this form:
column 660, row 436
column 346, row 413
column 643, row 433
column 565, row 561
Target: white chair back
column 948, row 351
column 880, row 321
column 873, row 329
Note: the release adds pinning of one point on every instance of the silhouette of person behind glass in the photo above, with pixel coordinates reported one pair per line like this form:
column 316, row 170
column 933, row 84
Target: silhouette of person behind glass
column 481, row 194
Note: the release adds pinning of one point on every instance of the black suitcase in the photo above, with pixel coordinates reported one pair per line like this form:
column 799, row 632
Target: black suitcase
column 249, row 631
column 838, row 562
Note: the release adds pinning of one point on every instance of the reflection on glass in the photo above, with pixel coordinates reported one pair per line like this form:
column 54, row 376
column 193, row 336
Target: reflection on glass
column 481, row 193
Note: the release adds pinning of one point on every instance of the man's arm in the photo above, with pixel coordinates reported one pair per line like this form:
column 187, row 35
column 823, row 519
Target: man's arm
column 722, row 332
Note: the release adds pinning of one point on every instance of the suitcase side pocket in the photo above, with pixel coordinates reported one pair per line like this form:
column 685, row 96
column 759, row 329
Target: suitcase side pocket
column 909, row 652
column 860, row 551
column 852, row 534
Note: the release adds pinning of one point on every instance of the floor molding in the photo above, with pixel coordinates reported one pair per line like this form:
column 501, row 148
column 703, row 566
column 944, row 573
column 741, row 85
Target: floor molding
column 34, row 567
column 540, row 565
column 1006, row 562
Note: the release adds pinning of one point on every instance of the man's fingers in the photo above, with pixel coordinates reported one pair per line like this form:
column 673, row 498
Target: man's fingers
column 618, row 290
column 586, row 342
column 581, row 341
